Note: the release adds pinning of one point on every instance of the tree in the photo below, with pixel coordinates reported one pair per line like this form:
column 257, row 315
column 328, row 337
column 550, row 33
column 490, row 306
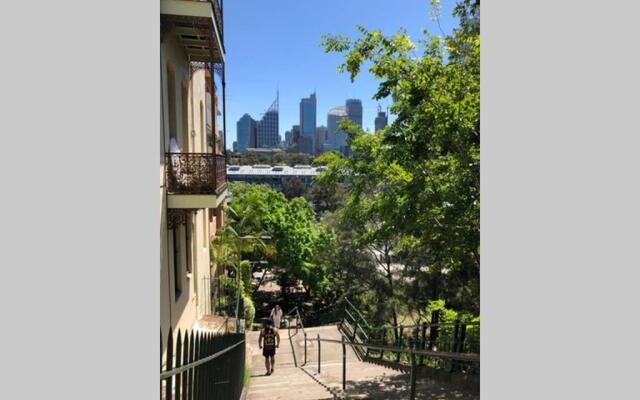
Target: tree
column 303, row 246
column 327, row 191
column 413, row 187
column 293, row 187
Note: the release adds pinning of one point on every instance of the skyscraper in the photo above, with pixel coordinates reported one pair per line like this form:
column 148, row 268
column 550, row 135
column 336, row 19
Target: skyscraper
column 321, row 137
column 246, row 132
column 354, row 111
column 267, row 129
column 381, row 120
column 308, row 120
column 288, row 139
column 337, row 137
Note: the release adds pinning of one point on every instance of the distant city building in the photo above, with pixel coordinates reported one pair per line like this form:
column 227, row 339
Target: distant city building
column 308, row 121
column 295, row 136
column 381, row 120
column 354, row 111
column 337, row 138
column 272, row 176
column 288, row 139
column 267, row 128
column 235, row 146
column 305, row 144
column 246, row 130
column 321, row 138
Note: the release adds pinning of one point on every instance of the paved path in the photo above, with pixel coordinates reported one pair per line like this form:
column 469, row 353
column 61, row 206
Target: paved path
column 364, row 380
column 287, row 382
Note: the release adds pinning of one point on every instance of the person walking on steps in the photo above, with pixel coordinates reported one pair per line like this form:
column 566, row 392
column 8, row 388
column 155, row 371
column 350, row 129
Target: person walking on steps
column 269, row 341
column 276, row 316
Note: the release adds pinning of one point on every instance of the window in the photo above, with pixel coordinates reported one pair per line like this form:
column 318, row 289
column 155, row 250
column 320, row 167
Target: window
column 185, row 114
column 203, row 130
column 171, row 101
column 205, row 239
column 177, row 271
column 187, row 237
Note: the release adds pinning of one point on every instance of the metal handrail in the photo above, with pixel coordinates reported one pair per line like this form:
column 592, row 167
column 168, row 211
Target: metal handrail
column 412, row 352
column 440, row 354
column 167, row 374
column 428, row 324
column 357, row 312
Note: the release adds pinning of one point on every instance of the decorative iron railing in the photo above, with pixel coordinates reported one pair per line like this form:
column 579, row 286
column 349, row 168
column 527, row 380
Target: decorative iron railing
column 202, row 365
column 195, row 173
column 217, row 13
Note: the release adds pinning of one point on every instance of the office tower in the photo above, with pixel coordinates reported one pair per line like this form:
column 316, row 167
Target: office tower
column 321, row 137
column 246, row 132
column 288, row 139
column 354, row 111
column 381, row 120
column 337, row 137
column 305, row 144
column 308, row 120
column 267, row 128
column 295, row 134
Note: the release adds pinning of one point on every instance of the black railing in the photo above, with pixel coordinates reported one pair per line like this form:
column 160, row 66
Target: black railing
column 195, row 173
column 435, row 337
column 414, row 354
column 202, row 365
column 217, row 13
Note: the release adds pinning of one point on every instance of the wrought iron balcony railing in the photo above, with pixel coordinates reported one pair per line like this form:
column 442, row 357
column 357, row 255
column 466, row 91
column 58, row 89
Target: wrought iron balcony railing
column 217, row 13
column 195, row 173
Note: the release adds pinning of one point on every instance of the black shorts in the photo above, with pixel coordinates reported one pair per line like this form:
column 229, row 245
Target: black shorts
column 268, row 352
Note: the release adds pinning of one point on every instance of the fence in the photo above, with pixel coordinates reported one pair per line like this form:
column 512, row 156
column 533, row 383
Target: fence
column 202, row 366
column 436, row 336
column 413, row 353
column 421, row 350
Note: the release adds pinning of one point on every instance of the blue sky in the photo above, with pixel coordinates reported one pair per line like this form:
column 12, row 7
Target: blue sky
column 276, row 45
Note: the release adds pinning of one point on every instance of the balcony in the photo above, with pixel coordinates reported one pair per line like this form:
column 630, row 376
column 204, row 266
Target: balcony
column 198, row 25
column 195, row 180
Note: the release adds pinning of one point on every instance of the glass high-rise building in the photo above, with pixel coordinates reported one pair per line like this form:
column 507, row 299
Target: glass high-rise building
column 246, row 133
column 308, row 121
column 321, row 138
column 381, row 120
column 337, row 137
column 354, row 111
column 268, row 135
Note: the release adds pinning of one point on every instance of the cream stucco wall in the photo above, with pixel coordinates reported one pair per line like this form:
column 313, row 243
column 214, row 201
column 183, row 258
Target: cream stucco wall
column 194, row 299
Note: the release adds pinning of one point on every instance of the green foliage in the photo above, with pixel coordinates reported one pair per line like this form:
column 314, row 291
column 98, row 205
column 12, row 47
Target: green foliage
column 301, row 243
column 412, row 195
column 293, row 187
column 249, row 310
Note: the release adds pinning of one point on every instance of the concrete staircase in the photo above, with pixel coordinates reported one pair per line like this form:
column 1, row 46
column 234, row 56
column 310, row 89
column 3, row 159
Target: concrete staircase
column 288, row 381
column 365, row 380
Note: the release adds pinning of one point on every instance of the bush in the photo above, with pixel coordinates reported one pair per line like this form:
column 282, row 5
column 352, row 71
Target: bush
column 249, row 311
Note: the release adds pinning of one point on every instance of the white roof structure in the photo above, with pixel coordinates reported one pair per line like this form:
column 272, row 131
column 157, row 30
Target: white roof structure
column 278, row 170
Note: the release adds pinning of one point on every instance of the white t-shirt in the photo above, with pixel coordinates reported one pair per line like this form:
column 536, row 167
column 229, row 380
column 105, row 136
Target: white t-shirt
column 276, row 316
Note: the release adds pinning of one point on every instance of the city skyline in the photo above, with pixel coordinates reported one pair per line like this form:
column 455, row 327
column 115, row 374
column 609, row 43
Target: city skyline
column 308, row 136
column 299, row 66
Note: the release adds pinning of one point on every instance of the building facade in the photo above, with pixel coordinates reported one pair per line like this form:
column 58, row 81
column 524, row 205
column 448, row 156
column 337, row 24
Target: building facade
column 192, row 174
column 337, row 137
column 273, row 176
column 246, row 131
column 381, row 120
column 308, row 123
column 321, row 139
column 354, row 111
column 267, row 132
